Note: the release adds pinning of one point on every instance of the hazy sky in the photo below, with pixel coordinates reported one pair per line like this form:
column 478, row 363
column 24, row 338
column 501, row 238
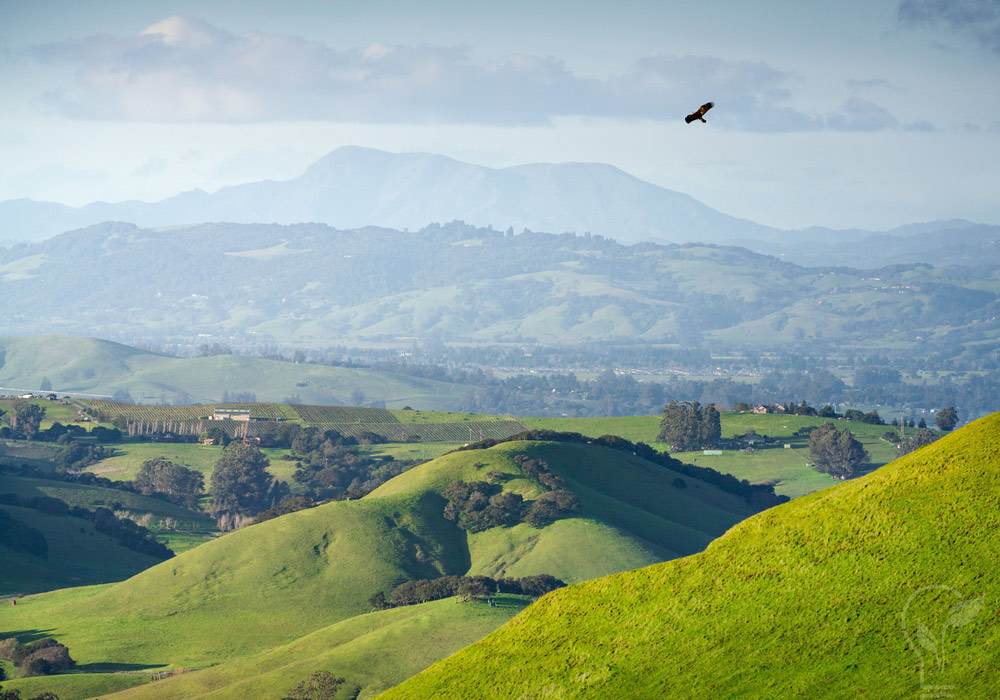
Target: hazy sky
column 868, row 113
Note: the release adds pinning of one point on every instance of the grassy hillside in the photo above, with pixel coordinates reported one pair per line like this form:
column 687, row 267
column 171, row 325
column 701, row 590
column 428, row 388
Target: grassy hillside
column 462, row 284
column 630, row 513
column 804, row 600
column 372, row 652
column 273, row 583
column 100, row 367
column 93, row 496
column 77, row 555
column 787, row 470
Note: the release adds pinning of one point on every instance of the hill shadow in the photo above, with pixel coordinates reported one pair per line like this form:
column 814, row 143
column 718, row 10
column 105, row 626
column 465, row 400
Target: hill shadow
column 27, row 636
column 113, row 667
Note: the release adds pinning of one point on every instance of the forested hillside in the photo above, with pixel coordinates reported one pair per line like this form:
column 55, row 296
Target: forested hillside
column 313, row 285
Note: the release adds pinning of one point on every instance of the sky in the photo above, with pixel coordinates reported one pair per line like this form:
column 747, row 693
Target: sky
column 860, row 113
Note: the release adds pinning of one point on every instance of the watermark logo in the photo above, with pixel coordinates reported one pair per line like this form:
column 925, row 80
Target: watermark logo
column 927, row 616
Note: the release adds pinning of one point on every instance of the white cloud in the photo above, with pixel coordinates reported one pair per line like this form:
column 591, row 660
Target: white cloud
column 185, row 70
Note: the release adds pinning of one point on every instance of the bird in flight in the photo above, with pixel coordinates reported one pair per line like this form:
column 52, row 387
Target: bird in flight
column 699, row 114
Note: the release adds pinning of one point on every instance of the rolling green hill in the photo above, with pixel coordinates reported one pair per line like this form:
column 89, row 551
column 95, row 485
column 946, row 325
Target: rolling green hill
column 100, row 367
column 77, row 555
column 373, row 652
column 270, row 584
column 882, row 587
column 311, row 285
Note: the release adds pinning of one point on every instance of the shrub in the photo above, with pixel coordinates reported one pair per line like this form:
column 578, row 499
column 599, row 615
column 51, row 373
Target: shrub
column 551, row 506
column 475, row 508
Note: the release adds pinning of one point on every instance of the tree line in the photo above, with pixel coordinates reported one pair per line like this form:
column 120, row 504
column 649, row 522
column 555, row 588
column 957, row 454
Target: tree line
column 469, row 587
column 758, row 495
column 126, row 532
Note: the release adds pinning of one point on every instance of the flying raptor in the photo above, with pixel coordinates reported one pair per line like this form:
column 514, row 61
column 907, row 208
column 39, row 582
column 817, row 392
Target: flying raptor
column 699, row 114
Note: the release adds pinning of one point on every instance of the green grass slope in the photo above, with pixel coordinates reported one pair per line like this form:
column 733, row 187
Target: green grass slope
column 250, row 590
column 372, row 652
column 631, row 514
column 809, row 599
column 100, row 367
column 77, row 555
column 89, row 496
column 273, row 583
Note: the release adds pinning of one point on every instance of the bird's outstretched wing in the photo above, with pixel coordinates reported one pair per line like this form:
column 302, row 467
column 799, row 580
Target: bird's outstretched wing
column 699, row 114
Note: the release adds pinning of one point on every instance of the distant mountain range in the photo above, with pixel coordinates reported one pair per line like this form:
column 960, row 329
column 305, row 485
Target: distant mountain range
column 317, row 286
column 354, row 187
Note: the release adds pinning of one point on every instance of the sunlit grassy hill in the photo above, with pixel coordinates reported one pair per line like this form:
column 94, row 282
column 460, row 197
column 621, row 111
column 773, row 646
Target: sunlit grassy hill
column 270, row 584
column 809, row 599
column 372, row 652
column 631, row 513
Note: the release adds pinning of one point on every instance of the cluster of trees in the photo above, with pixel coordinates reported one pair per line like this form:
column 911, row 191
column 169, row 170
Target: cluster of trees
column 128, row 533
column 161, row 478
column 871, row 418
column 688, row 425
column 321, row 685
column 41, row 658
column 25, row 418
column 908, row 443
column 326, row 468
column 479, row 505
column 947, row 418
column 241, row 484
column 557, row 501
column 469, row 587
column 836, row 452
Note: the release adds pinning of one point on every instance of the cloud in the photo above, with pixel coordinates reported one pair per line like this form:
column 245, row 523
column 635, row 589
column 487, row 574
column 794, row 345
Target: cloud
column 978, row 19
column 861, row 115
column 185, row 70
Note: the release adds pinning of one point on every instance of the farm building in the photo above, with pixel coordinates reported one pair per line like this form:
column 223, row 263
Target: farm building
column 242, row 414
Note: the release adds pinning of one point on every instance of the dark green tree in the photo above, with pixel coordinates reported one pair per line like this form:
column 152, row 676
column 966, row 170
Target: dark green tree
column 551, row 506
column 946, row 419
column 161, row 476
column 322, row 685
column 836, row 452
column 26, row 417
column 687, row 426
column 909, row 443
column 240, row 481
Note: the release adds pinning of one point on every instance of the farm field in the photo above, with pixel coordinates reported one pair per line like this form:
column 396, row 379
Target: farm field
column 128, row 457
